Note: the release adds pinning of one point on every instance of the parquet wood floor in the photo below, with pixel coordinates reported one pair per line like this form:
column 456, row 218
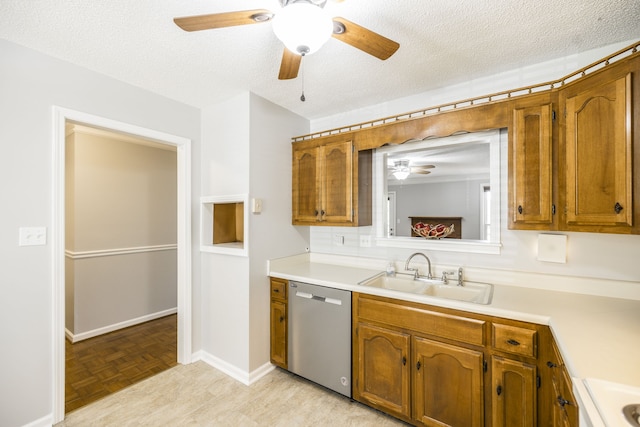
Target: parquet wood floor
column 105, row 364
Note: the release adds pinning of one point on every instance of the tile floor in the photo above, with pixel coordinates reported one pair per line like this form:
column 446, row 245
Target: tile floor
column 199, row 395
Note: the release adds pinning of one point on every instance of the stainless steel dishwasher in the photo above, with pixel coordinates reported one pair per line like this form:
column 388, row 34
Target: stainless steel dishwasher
column 320, row 335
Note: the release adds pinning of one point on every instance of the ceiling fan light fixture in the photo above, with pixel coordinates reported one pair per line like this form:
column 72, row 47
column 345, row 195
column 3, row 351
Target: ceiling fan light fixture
column 401, row 169
column 303, row 27
column 401, row 174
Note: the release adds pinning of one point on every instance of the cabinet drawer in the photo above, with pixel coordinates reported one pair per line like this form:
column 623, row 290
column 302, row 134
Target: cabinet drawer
column 422, row 320
column 279, row 289
column 516, row 340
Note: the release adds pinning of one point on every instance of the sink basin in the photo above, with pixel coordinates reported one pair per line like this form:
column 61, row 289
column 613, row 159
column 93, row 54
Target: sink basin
column 479, row 293
column 618, row 404
column 471, row 292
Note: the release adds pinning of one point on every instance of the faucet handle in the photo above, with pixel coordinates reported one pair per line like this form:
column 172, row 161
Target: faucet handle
column 413, row 271
column 445, row 276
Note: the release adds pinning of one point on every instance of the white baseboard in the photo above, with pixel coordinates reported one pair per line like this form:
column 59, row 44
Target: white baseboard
column 246, row 378
column 46, row 421
column 110, row 328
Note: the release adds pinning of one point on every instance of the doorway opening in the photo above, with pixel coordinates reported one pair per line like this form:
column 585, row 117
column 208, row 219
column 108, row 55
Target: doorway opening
column 182, row 147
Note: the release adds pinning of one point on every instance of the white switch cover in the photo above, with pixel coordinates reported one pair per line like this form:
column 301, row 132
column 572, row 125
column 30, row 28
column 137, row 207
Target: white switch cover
column 552, row 248
column 32, row 236
column 256, row 205
column 338, row 240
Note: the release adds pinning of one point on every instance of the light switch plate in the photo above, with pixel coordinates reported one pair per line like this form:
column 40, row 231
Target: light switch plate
column 32, row 236
column 365, row 241
column 256, row 205
column 552, row 248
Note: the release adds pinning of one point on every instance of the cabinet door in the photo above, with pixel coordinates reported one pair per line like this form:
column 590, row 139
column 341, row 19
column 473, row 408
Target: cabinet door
column 279, row 333
column 565, row 409
column 531, row 176
column 514, row 393
column 306, row 185
column 383, row 370
column 448, row 389
column 598, row 155
column 337, row 182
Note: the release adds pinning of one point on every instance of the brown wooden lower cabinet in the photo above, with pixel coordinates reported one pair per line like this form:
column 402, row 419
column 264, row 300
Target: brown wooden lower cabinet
column 278, row 337
column 563, row 404
column 432, row 366
column 514, row 393
column 447, row 384
column 383, row 370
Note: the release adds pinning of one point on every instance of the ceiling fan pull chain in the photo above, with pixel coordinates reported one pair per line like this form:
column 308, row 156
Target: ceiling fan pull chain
column 302, row 98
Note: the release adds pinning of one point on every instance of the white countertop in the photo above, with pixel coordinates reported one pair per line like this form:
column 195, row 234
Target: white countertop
column 598, row 336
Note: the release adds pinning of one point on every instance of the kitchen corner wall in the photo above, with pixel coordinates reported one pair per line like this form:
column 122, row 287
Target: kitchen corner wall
column 246, row 150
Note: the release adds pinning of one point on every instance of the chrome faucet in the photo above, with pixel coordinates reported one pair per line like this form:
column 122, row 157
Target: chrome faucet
column 416, row 274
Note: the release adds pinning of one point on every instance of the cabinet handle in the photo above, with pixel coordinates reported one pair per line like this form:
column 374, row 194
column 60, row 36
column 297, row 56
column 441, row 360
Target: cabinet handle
column 551, row 364
column 281, row 319
column 418, row 365
column 562, row 401
column 618, row 207
column 499, row 390
column 277, row 291
column 512, row 342
column 404, row 360
column 322, row 212
column 520, row 209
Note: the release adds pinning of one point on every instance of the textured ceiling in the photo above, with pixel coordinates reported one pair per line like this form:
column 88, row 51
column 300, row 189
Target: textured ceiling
column 442, row 42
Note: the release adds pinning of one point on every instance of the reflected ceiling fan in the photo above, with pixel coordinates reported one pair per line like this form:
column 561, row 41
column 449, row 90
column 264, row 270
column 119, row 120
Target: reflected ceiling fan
column 303, row 26
column 401, row 169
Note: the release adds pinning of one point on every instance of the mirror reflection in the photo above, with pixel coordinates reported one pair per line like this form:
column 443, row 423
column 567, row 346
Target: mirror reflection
column 448, row 181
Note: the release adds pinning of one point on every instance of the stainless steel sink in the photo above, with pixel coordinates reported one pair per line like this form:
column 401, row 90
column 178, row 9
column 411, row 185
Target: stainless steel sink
column 632, row 413
column 479, row 293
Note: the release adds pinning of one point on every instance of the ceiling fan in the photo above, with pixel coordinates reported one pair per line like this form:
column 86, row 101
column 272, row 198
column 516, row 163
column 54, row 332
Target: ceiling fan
column 303, row 26
column 401, row 169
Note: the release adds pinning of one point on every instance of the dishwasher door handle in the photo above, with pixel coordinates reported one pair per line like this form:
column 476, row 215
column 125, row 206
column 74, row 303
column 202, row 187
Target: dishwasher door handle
column 307, row 295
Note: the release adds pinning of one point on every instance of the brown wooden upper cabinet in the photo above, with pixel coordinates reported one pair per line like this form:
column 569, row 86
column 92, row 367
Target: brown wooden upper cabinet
column 597, row 147
column 572, row 150
column 531, row 167
column 331, row 184
column 575, row 172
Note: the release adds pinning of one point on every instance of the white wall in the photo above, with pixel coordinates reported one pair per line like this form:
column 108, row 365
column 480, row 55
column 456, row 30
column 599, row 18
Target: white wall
column 514, row 79
column 31, row 84
column 590, row 255
column 273, row 236
column 247, row 150
column 225, row 171
column 121, row 193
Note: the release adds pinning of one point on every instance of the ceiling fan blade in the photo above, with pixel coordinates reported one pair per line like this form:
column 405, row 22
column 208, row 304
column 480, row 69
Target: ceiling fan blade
column 364, row 39
column 422, row 167
column 221, row 20
column 290, row 65
column 421, row 172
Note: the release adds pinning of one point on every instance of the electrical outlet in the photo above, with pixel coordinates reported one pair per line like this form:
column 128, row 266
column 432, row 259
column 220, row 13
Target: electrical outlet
column 365, row 241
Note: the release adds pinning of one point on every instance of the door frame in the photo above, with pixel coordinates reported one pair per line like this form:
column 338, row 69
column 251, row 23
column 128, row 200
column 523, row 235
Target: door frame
column 183, row 149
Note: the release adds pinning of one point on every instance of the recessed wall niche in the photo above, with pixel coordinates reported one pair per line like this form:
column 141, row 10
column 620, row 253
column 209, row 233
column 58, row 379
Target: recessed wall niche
column 223, row 224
